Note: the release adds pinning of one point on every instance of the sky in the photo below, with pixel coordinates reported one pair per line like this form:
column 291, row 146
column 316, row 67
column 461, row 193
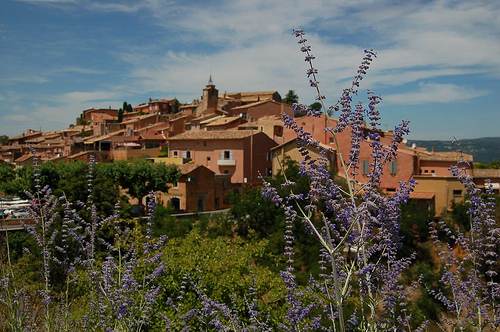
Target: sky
column 437, row 65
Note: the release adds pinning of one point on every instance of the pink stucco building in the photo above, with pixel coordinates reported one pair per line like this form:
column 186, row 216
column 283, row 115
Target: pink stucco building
column 241, row 155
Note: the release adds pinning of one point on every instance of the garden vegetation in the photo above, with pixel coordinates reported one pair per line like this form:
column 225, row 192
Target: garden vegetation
column 307, row 251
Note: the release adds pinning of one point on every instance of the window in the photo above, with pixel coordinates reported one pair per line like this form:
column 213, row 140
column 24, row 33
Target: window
column 269, row 171
column 176, row 153
column 186, row 154
column 364, row 167
column 176, row 203
column 201, row 204
column 175, row 185
column 208, row 159
column 457, row 192
column 261, row 128
column 226, row 155
column 393, row 167
column 269, row 156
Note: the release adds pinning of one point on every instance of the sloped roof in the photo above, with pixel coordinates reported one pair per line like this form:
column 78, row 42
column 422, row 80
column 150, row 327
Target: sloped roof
column 79, row 154
column 223, row 120
column 34, row 133
column 213, row 134
column 153, row 136
column 94, row 139
column 35, row 140
column 266, row 120
column 23, row 158
column 293, row 140
column 251, row 96
column 422, row 195
column 486, row 173
column 257, row 103
column 140, row 117
column 445, row 156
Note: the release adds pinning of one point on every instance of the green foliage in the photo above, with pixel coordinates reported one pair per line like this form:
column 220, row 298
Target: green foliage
column 127, row 107
column 120, row 115
column 175, row 106
column 460, row 215
column 492, row 165
column 139, row 177
column 222, row 268
column 252, row 211
column 166, row 224
column 316, row 106
column 254, row 214
column 425, row 306
column 7, row 173
column 22, row 180
column 163, row 153
column 69, row 180
column 415, row 220
column 291, row 98
column 4, row 140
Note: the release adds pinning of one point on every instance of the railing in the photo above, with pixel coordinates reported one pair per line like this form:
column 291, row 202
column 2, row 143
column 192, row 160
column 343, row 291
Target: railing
column 14, row 224
column 226, row 162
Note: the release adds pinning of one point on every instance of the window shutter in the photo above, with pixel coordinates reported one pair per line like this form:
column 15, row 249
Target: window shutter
column 364, row 167
column 393, row 167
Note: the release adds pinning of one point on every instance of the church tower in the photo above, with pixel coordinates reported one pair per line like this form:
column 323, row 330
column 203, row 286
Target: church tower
column 210, row 97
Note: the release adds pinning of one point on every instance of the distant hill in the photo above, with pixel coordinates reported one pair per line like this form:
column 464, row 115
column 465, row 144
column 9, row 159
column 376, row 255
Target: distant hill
column 485, row 150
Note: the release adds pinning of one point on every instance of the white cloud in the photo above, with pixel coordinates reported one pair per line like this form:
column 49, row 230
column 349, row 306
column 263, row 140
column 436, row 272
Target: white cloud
column 28, row 78
column 83, row 97
column 17, row 117
column 434, row 93
column 248, row 45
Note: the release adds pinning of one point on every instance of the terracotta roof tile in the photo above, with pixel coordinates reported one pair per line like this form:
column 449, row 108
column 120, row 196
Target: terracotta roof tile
column 223, row 120
column 445, row 156
column 213, row 134
column 486, row 173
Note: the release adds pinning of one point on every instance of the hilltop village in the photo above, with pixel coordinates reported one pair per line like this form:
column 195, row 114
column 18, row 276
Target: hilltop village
column 224, row 142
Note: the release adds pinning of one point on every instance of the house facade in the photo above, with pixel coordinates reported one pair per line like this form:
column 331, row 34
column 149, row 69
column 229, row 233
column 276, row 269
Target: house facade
column 239, row 155
column 194, row 192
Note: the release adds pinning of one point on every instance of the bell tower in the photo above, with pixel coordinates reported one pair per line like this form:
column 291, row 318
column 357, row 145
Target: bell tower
column 210, row 97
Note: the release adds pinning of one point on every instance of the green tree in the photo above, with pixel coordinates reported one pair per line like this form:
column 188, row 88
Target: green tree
column 4, row 140
column 252, row 211
column 120, row 115
column 22, row 180
column 139, row 177
column 316, row 106
column 7, row 172
column 291, row 97
column 175, row 106
column 495, row 164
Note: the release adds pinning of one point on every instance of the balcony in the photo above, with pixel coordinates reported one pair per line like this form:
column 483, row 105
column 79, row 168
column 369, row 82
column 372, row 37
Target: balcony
column 226, row 162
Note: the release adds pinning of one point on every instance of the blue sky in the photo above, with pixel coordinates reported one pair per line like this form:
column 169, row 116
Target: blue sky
column 438, row 62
